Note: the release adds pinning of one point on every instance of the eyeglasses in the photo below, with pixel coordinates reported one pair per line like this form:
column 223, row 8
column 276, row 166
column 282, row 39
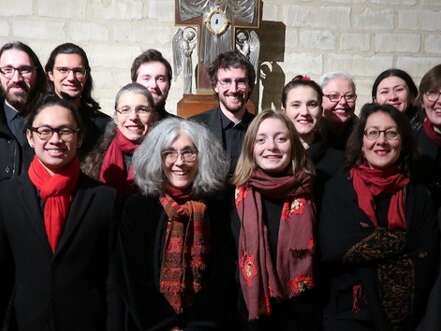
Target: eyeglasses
column 337, row 97
column 24, row 71
column 389, row 134
column 187, row 155
column 46, row 132
column 139, row 110
column 227, row 83
column 79, row 72
column 432, row 95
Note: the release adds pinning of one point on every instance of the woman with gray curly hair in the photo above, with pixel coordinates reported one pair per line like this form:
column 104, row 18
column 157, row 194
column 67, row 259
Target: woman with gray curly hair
column 174, row 241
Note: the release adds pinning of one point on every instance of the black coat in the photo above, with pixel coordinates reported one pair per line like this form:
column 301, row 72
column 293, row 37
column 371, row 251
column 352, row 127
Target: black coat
column 140, row 246
column 14, row 159
column 344, row 229
column 94, row 123
column 65, row 290
column 428, row 165
column 327, row 161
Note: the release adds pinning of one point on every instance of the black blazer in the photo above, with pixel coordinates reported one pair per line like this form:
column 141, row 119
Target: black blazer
column 428, row 165
column 342, row 225
column 212, row 120
column 65, row 290
column 139, row 249
column 14, row 158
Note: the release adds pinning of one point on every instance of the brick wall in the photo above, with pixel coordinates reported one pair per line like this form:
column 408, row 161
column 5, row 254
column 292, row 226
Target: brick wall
column 362, row 37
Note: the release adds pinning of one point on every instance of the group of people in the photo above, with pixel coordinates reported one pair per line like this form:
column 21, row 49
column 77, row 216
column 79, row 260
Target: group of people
column 302, row 218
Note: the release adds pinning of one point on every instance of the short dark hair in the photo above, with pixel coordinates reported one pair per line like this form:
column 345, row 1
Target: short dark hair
column 301, row 80
column 69, row 48
column 430, row 81
column 40, row 81
column 150, row 55
column 354, row 154
column 394, row 72
column 49, row 100
column 231, row 59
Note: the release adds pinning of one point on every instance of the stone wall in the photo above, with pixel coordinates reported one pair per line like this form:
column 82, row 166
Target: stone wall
column 362, row 37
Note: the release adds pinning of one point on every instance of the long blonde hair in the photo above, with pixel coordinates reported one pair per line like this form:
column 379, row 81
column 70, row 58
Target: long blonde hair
column 247, row 164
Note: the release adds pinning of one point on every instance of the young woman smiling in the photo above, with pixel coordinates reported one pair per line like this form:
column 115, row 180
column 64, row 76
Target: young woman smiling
column 134, row 116
column 273, row 226
column 302, row 102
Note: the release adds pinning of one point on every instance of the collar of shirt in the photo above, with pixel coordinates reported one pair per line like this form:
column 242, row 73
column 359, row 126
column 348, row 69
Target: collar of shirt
column 227, row 123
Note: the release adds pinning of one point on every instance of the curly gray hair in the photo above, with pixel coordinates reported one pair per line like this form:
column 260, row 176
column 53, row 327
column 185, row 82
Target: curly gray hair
column 212, row 163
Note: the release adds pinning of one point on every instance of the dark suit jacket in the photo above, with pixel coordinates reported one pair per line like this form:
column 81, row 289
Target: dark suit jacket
column 428, row 166
column 140, row 248
column 14, row 159
column 343, row 225
column 94, row 123
column 211, row 119
column 65, row 290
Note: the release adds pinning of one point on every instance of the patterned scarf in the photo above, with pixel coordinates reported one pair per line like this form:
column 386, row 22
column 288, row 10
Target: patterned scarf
column 431, row 133
column 369, row 183
column 293, row 274
column 56, row 193
column 113, row 170
column 186, row 249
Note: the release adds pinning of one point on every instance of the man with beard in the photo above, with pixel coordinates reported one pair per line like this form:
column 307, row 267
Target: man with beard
column 69, row 76
column 232, row 77
column 22, row 81
column 153, row 71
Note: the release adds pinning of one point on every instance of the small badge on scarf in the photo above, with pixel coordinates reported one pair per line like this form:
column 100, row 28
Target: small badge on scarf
column 247, row 265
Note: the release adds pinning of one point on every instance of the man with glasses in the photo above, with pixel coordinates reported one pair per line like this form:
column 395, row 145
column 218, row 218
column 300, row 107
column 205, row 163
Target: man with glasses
column 69, row 76
column 232, row 78
column 22, row 81
column 339, row 99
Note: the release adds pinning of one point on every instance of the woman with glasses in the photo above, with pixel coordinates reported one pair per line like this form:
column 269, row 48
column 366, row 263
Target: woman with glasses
column 378, row 236
column 55, row 232
column 174, row 247
column 339, row 98
column 429, row 169
column 395, row 87
column 429, row 135
column 273, row 225
column 111, row 160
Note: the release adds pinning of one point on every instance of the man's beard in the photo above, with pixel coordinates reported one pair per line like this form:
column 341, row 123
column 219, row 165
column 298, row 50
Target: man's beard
column 19, row 99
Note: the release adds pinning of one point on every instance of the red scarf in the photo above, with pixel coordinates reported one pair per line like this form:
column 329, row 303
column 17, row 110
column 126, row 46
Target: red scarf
column 186, row 249
column 369, row 183
column 293, row 274
column 113, row 170
column 431, row 133
column 56, row 192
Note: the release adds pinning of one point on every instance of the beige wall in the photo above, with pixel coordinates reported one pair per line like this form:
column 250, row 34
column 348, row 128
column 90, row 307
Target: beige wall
column 362, row 37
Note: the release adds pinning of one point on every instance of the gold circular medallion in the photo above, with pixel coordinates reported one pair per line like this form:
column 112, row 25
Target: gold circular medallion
column 216, row 21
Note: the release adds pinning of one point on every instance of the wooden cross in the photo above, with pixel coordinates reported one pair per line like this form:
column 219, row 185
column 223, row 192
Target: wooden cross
column 217, row 21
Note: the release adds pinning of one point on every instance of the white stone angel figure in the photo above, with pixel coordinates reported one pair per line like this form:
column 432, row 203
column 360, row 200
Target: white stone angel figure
column 184, row 42
column 248, row 43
